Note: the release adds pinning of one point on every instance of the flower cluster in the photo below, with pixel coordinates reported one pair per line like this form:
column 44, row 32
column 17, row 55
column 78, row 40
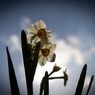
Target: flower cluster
column 38, row 33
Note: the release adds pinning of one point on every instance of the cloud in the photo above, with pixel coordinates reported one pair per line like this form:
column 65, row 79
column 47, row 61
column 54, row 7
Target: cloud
column 73, row 39
column 65, row 52
column 22, row 74
column 14, row 43
column 90, row 51
column 24, row 22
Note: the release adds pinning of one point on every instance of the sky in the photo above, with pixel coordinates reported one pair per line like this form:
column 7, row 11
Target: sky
column 73, row 25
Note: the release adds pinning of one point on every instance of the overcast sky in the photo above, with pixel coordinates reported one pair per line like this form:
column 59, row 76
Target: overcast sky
column 73, row 25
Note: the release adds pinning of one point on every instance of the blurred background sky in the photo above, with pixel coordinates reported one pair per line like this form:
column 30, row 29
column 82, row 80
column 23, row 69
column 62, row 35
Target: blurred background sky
column 73, row 25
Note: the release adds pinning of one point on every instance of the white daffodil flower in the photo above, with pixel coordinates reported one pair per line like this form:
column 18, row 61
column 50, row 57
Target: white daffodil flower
column 46, row 53
column 37, row 32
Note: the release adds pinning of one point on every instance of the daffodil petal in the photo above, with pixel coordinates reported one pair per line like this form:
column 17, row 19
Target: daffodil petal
column 52, row 48
column 29, row 38
column 36, row 28
column 49, row 57
column 49, row 45
column 31, row 29
column 40, row 24
column 42, row 60
column 49, row 40
column 44, row 41
column 49, row 33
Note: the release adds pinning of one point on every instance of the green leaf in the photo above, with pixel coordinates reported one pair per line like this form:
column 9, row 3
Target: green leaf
column 35, row 61
column 46, row 91
column 81, row 81
column 27, row 63
column 12, row 77
column 90, row 84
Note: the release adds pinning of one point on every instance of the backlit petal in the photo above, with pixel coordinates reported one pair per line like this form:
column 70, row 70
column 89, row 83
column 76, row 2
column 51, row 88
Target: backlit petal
column 29, row 37
column 40, row 24
column 49, row 57
column 52, row 48
column 44, row 41
column 49, row 33
column 51, row 45
column 31, row 29
column 49, row 40
column 42, row 60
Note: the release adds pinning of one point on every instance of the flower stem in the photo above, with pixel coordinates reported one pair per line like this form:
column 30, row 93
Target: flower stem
column 57, row 77
column 50, row 73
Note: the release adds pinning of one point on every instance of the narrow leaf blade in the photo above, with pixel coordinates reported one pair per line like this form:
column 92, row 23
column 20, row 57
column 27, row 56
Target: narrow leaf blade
column 81, row 81
column 27, row 63
column 90, row 84
column 12, row 77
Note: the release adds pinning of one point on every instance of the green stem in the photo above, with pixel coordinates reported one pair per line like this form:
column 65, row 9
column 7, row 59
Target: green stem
column 57, row 77
column 51, row 73
column 46, row 91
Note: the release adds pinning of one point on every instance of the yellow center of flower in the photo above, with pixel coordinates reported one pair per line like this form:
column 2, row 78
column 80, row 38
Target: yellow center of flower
column 45, row 52
column 41, row 33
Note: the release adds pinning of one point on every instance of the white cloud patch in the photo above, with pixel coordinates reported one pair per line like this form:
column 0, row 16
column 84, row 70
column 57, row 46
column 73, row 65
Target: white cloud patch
column 65, row 52
column 73, row 39
column 14, row 43
column 24, row 22
column 21, row 70
column 89, row 51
